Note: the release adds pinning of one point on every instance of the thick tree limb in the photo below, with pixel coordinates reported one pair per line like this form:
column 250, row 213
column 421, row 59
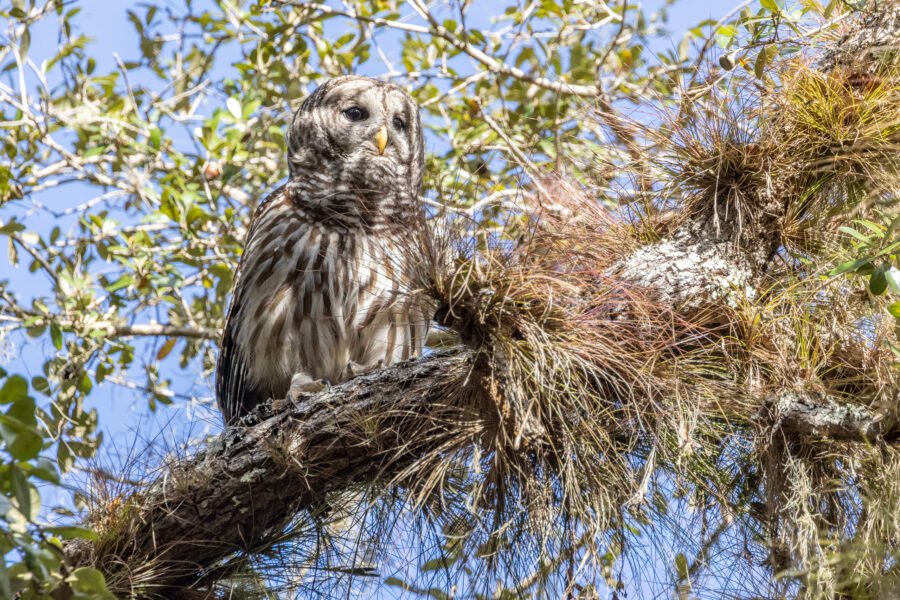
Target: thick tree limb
column 822, row 415
column 239, row 492
column 690, row 274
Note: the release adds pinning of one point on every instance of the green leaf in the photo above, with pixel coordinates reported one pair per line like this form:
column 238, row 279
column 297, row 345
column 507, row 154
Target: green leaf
column 878, row 282
column 64, row 458
column 13, row 389
column 95, row 151
column 40, row 384
column 22, row 443
column 892, row 276
column 56, row 336
column 889, row 249
column 681, row 565
column 873, row 227
column 894, row 226
column 724, row 35
column 12, row 227
column 762, row 59
column 23, row 411
column 69, row 532
column 25, row 42
column 894, row 309
column 21, row 492
column 155, row 137
column 851, row 266
column 122, row 282
column 234, row 107
column 852, row 232
column 18, row 430
column 42, row 469
column 90, row 581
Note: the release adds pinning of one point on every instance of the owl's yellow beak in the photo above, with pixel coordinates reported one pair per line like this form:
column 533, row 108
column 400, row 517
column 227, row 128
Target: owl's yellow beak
column 381, row 139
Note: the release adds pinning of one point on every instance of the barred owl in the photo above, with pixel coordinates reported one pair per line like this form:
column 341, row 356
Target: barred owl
column 323, row 284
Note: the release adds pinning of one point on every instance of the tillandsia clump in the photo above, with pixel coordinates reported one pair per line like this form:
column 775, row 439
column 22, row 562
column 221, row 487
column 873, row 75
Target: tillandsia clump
column 592, row 379
column 568, row 355
column 781, row 183
column 698, row 344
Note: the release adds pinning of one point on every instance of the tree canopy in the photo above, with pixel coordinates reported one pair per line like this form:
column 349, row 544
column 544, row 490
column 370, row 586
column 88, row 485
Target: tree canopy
column 666, row 263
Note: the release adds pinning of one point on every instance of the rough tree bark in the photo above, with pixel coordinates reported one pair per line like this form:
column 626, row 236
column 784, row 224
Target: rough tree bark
column 243, row 488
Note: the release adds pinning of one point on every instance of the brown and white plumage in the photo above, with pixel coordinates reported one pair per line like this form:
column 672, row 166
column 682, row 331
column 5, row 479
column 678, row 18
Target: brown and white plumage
column 324, row 280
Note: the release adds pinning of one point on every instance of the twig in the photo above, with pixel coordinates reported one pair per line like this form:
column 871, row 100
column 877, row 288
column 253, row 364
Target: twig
column 158, row 330
column 36, row 256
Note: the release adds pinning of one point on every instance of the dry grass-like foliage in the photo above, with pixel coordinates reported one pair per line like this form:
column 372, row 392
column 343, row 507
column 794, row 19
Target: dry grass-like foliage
column 799, row 163
column 782, row 170
column 717, row 161
column 587, row 388
column 593, row 383
column 839, row 134
column 589, row 381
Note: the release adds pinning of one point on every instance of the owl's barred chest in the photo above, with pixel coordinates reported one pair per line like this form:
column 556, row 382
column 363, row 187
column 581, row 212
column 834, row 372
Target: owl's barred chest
column 322, row 296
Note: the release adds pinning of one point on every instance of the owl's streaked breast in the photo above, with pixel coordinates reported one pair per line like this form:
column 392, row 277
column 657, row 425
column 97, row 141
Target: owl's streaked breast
column 322, row 295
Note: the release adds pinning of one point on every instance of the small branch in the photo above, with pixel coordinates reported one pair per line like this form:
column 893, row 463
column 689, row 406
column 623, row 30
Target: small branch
column 437, row 30
column 497, row 67
column 824, row 416
column 157, row 330
column 48, row 269
column 532, row 169
column 328, row 10
column 707, row 45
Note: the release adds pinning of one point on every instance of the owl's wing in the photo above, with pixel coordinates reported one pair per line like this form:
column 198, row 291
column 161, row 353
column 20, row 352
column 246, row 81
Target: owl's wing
column 235, row 393
column 231, row 375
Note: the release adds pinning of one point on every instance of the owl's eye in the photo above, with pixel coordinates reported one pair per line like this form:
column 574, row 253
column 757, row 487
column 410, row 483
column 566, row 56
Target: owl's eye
column 355, row 113
column 399, row 124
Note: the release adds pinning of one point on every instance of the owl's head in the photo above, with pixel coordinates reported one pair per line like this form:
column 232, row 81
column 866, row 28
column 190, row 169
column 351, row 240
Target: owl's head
column 362, row 134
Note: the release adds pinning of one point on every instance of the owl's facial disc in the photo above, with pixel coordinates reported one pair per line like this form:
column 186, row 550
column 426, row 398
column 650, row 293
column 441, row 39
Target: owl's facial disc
column 363, row 134
column 372, row 120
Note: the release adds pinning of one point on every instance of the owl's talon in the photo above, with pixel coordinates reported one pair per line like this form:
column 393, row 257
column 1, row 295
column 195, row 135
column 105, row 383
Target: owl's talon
column 354, row 369
column 303, row 385
column 350, row 370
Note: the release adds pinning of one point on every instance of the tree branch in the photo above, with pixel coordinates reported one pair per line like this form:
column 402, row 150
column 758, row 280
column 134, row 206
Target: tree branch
column 158, row 330
column 241, row 491
column 824, row 416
